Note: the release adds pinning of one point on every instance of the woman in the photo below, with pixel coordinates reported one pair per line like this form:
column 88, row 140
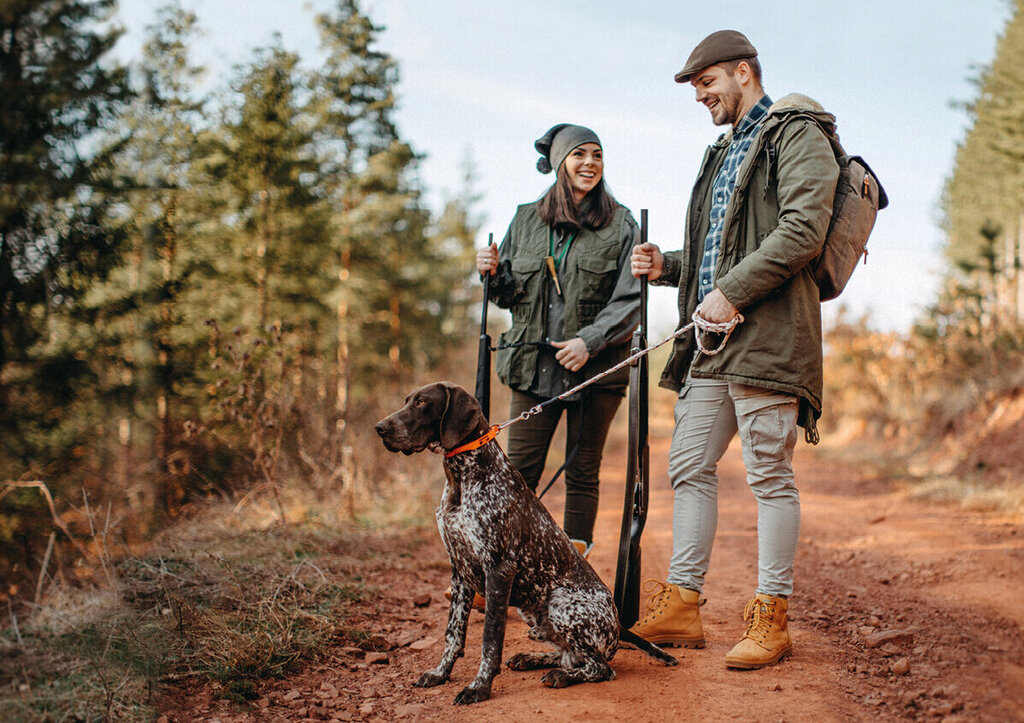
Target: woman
column 563, row 271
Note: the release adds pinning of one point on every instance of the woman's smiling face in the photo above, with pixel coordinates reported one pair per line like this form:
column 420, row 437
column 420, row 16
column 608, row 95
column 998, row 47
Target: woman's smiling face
column 584, row 166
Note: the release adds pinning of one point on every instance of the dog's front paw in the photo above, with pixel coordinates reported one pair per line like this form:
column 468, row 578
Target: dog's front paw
column 533, row 661
column 556, row 678
column 520, row 661
column 430, row 679
column 472, row 694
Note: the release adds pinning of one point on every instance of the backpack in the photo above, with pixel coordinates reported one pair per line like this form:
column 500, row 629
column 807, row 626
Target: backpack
column 859, row 197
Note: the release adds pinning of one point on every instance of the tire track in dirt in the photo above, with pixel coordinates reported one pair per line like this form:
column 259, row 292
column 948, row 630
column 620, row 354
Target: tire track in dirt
column 901, row 610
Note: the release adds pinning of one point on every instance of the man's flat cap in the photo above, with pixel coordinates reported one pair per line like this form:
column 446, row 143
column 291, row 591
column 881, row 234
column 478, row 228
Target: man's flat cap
column 716, row 48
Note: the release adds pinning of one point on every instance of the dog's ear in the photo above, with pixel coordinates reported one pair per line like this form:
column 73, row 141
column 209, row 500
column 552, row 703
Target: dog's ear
column 462, row 418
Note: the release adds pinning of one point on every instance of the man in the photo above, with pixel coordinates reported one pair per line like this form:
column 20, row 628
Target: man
column 757, row 216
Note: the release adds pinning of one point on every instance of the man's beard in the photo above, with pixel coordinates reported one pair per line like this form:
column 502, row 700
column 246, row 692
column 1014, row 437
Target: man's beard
column 728, row 110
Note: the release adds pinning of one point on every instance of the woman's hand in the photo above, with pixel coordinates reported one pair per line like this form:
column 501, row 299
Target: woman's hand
column 647, row 260
column 572, row 354
column 487, row 260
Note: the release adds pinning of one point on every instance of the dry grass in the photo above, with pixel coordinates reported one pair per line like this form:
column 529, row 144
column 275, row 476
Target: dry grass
column 229, row 596
column 928, row 472
column 242, row 587
column 1004, row 495
column 942, row 412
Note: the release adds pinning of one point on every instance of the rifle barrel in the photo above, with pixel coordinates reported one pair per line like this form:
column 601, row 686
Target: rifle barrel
column 643, row 279
column 483, row 357
column 487, row 292
column 634, row 513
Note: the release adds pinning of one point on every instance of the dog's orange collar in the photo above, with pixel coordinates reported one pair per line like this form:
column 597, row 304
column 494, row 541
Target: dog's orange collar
column 476, row 443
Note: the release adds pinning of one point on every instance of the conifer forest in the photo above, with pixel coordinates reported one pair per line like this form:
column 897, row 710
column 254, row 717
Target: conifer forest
column 198, row 293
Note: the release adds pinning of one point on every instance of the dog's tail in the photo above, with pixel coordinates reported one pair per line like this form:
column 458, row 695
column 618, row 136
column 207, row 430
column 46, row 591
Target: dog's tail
column 650, row 648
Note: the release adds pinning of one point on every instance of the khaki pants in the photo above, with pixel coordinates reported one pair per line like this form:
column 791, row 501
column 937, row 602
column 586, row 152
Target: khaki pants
column 708, row 416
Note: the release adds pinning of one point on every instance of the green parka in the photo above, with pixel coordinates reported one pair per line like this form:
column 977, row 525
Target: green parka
column 774, row 226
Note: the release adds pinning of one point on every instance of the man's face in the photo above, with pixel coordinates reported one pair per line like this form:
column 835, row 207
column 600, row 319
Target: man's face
column 720, row 92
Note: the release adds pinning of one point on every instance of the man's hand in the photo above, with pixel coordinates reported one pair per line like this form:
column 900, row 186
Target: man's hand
column 647, row 259
column 487, row 260
column 716, row 308
column 572, row 354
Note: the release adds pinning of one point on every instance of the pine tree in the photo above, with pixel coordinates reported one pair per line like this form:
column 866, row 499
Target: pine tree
column 147, row 335
column 354, row 100
column 452, row 245
column 400, row 278
column 278, row 221
column 57, row 87
column 275, row 266
column 984, row 197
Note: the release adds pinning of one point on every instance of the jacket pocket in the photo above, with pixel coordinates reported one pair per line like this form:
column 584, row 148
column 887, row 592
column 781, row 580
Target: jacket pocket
column 597, row 278
column 515, row 358
column 528, row 283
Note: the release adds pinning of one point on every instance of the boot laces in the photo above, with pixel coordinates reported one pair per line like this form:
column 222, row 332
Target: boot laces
column 658, row 595
column 760, row 615
column 659, row 598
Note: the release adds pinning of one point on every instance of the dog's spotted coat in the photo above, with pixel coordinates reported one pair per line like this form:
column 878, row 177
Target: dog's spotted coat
column 504, row 544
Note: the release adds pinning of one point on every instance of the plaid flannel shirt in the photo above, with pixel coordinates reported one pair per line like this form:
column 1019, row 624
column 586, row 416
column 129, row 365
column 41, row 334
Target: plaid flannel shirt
column 742, row 137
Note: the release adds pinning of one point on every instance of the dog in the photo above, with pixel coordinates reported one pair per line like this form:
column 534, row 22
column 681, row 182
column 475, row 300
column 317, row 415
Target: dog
column 504, row 544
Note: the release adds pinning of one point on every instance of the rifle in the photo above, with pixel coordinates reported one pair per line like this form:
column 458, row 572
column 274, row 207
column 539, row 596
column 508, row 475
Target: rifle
column 634, row 511
column 483, row 355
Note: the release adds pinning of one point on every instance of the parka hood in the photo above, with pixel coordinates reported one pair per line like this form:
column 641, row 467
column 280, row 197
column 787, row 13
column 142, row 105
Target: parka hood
column 800, row 103
column 796, row 101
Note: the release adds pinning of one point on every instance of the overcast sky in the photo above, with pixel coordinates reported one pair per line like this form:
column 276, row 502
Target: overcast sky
column 483, row 80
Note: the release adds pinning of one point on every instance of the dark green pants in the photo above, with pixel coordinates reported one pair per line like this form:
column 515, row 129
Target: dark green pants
column 529, row 440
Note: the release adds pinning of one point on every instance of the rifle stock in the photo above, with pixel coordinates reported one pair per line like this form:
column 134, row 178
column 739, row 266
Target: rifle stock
column 483, row 355
column 634, row 512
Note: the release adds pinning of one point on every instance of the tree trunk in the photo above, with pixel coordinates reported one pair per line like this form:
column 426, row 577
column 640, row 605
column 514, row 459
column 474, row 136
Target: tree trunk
column 394, row 353
column 263, row 270
column 165, row 390
column 1019, row 269
column 342, row 372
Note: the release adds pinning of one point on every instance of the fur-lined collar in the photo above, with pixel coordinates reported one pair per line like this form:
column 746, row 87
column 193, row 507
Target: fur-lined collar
column 796, row 101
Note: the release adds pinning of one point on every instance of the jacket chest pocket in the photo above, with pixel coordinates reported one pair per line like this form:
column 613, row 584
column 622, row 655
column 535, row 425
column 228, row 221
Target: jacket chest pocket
column 597, row 277
column 525, row 272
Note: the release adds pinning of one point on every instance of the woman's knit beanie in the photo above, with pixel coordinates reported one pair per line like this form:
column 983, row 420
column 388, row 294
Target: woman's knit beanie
column 558, row 142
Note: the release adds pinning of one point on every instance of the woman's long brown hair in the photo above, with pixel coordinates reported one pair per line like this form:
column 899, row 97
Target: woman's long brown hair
column 557, row 206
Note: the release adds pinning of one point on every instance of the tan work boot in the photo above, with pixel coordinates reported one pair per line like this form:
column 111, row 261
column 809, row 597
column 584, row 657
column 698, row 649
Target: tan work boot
column 673, row 616
column 583, row 547
column 767, row 638
column 479, row 601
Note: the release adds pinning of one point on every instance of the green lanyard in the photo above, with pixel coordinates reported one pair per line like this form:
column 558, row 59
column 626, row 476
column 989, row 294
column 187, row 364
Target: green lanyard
column 565, row 249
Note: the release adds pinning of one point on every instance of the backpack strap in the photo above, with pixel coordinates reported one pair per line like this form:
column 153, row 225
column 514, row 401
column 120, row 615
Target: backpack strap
column 772, row 152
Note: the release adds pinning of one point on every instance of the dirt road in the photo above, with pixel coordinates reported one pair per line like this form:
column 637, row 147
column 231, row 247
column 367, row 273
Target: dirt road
column 902, row 610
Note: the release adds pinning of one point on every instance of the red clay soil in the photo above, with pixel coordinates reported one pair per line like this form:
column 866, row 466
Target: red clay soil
column 903, row 610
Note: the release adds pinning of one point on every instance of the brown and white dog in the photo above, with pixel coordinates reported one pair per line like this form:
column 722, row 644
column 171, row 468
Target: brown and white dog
column 504, row 544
